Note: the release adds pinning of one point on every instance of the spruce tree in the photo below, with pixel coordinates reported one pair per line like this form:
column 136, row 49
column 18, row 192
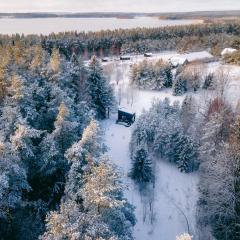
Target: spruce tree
column 168, row 77
column 187, row 155
column 55, row 61
column 74, row 80
column 209, row 81
column 142, row 166
column 81, row 156
column 179, row 86
column 99, row 90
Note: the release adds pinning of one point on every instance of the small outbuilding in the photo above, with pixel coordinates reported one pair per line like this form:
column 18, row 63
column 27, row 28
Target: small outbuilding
column 105, row 59
column 148, row 54
column 125, row 117
column 181, row 59
column 176, row 61
column 125, row 58
column 228, row 51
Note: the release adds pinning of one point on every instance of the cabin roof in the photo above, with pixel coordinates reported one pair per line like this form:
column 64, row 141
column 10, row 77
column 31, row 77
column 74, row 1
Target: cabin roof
column 178, row 60
column 148, row 54
column 190, row 57
column 126, row 109
column 228, row 51
column 197, row 56
column 125, row 56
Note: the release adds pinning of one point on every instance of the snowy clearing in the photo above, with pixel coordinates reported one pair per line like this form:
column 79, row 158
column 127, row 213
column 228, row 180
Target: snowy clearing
column 174, row 191
column 175, row 195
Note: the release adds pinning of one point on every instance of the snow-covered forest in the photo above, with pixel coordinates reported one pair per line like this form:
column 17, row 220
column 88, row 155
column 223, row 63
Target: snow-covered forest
column 68, row 171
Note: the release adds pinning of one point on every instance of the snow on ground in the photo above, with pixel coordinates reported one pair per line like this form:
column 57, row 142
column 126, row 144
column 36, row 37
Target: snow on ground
column 173, row 201
column 233, row 88
column 175, row 195
column 174, row 191
column 166, row 56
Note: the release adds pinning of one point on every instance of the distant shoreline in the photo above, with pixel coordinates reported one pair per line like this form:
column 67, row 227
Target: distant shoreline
column 127, row 15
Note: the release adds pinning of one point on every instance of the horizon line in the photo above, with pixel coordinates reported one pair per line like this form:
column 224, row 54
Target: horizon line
column 119, row 12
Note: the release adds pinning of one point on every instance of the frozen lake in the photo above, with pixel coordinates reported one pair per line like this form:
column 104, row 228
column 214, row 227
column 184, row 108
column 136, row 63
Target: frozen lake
column 50, row 25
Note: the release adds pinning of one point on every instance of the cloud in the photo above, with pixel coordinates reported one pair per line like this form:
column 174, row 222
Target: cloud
column 116, row 5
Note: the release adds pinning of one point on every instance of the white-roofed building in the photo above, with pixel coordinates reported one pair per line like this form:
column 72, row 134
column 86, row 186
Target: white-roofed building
column 189, row 57
column 228, row 51
column 176, row 61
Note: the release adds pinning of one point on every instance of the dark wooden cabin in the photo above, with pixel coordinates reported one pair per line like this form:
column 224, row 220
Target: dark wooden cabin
column 125, row 118
column 125, row 58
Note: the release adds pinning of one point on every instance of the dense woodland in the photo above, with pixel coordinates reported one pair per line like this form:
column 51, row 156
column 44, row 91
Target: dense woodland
column 190, row 77
column 214, row 36
column 206, row 141
column 164, row 131
column 52, row 153
column 152, row 76
column 56, row 179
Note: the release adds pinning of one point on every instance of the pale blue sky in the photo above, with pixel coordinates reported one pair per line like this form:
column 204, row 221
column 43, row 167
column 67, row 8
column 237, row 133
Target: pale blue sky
column 117, row 5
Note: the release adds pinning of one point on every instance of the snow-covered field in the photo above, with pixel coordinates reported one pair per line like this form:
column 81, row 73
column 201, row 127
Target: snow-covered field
column 175, row 193
column 173, row 201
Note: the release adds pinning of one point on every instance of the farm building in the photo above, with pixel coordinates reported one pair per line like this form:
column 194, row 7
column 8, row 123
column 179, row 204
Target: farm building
column 148, row 54
column 190, row 57
column 125, row 57
column 228, row 51
column 105, row 59
column 176, row 61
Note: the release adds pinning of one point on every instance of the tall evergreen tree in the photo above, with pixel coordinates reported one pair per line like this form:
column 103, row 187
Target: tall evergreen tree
column 13, row 185
column 179, row 86
column 100, row 92
column 81, row 156
column 55, row 61
column 142, row 166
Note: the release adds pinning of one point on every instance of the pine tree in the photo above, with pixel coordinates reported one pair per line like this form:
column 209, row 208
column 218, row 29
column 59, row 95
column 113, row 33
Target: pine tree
column 168, row 77
column 38, row 59
column 142, row 166
column 14, row 184
column 179, row 86
column 22, row 142
column 3, row 83
column 55, row 61
column 187, row 155
column 102, row 185
column 100, row 92
column 102, row 213
column 16, row 88
column 76, row 82
column 82, row 156
column 55, row 144
column 73, row 223
column 209, row 82
column 188, row 114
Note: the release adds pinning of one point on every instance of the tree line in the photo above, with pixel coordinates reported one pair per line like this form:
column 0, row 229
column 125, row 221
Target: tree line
column 215, row 36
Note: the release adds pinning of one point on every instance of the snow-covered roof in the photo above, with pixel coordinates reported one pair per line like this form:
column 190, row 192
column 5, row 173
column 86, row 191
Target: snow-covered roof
column 197, row 56
column 125, row 57
column 148, row 54
column 228, row 51
column 126, row 109
column 106, row 59
column 175, row 61
column 189, row 57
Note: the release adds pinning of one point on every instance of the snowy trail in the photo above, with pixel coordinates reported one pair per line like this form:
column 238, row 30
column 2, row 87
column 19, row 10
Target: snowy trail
column 173, row 191
column 175, row 194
